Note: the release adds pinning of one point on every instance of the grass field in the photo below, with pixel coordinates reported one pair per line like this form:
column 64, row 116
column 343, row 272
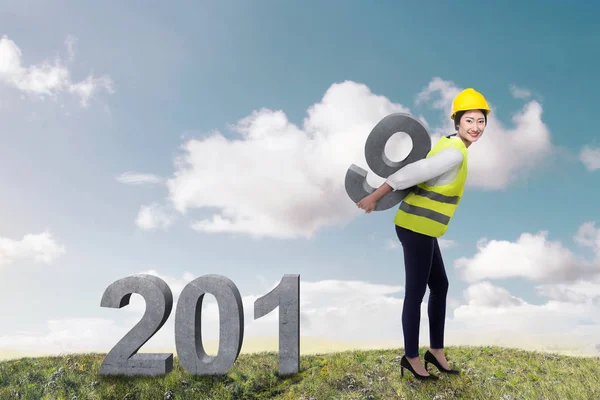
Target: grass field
column 487, row 372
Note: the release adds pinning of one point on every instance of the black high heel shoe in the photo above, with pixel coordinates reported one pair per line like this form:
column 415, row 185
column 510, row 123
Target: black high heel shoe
column 405, row 364
column 430, row 358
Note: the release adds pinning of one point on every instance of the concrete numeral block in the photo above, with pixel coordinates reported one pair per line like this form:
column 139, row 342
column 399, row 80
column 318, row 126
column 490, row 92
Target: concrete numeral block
column 286, row 296
column 123, row 359
column 188, row 321
column 356, row 177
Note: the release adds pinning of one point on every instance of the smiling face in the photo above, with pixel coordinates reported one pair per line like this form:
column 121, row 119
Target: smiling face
column 471, row 126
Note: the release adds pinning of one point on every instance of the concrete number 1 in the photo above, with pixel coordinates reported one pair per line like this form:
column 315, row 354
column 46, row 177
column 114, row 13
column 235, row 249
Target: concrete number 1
column 123, row 358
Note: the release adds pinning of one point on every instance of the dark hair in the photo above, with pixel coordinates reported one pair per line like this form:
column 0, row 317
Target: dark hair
column 459, row 115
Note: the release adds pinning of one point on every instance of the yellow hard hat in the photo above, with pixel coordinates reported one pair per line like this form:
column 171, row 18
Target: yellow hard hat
column 469, row 99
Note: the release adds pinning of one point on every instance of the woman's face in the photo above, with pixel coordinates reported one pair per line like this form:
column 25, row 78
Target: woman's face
column 471, row 126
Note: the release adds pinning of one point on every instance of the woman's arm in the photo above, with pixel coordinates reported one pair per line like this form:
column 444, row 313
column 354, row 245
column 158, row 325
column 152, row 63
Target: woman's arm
column 420, row 171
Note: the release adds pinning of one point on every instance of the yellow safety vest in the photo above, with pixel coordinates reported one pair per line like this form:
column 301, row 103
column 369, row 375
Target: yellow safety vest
column 428, row 209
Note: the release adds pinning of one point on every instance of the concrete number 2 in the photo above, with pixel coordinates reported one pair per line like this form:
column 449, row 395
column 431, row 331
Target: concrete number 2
column 123, row 358
column 356, row 177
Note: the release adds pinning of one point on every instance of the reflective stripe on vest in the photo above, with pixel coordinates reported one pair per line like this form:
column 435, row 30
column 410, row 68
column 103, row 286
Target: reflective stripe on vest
column 425, row 212
column 429, row 209
column 436, row 196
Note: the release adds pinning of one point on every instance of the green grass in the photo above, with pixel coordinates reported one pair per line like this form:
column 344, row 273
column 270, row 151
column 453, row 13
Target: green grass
column 486, row 373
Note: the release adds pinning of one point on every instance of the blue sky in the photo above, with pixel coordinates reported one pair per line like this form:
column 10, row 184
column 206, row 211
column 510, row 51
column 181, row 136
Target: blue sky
column 163, row 76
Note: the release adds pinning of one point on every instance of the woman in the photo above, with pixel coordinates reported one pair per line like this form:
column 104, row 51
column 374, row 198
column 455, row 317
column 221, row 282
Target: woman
column 423, row 216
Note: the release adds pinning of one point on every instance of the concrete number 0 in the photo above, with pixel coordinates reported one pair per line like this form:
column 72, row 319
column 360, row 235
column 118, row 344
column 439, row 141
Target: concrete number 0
column 356, row 177
column 123, row 359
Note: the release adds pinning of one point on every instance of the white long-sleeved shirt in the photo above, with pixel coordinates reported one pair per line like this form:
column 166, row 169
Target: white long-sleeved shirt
column 439, row 169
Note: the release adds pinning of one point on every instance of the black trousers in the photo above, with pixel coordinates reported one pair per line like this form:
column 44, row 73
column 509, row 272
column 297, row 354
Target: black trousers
column 423, row 267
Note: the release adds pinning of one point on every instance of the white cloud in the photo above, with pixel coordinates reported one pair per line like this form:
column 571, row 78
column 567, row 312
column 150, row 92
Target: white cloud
column 132, row 178
column 502, row 154
column 532, row 257
column 279, row 180
column 331, row 309
column 39, row 248
column 67, row 335
column 580, row 292
column 590, row 157
column 446, row 92
column 446, row 243
column 154, row 216
column 358, row 311
column 520, row 93
column 284, row 181
column 46, row 78
column 589, row 236
column 494, row 317
column 484, row 294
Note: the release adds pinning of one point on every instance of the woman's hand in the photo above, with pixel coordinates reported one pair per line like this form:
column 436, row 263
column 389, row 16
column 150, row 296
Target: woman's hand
column 368, row 203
